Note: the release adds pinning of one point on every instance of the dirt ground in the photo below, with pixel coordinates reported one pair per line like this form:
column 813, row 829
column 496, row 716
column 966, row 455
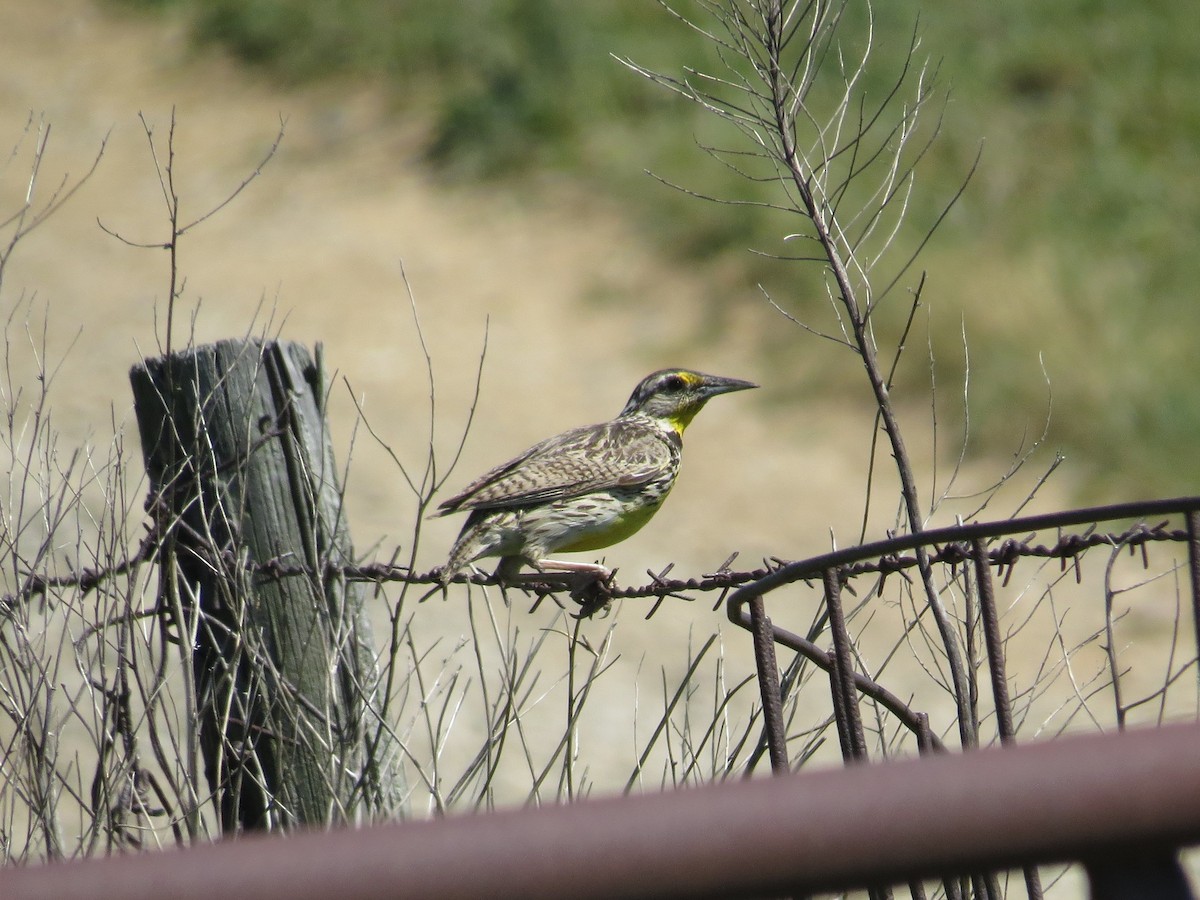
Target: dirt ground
column 576, row 309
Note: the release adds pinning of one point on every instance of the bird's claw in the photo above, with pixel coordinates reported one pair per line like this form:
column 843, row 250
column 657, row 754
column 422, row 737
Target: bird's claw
column 593, row 593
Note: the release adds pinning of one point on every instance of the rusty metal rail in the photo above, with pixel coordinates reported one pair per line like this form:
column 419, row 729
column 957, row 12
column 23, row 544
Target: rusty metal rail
column 978, row 548
column 1122, row 804
column 956, row 544
column 1098, row 798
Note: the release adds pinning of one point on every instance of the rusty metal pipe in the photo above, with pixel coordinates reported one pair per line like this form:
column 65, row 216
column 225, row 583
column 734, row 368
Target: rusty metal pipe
column 815, row 565
column 769, row 687
column 1089, row 797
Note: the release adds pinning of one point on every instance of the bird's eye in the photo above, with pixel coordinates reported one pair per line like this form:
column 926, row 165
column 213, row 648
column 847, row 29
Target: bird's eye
column 673, row 384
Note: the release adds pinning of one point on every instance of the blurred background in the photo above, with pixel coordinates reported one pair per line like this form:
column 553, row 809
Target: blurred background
column 500, row 155
column 1073, row 241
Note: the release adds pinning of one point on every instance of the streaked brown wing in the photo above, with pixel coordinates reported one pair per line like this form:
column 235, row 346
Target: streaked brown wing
column 621, row 453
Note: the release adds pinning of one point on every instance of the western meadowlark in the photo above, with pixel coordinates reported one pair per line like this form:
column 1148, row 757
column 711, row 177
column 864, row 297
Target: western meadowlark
column 586, row 488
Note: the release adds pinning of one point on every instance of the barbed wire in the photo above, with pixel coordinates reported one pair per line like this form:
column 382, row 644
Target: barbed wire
column 660, row 587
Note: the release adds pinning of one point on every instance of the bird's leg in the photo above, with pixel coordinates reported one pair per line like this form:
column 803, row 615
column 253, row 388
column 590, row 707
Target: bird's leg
column 509, row 571
column 594, row 570
column 578, row 575
column 590, row 583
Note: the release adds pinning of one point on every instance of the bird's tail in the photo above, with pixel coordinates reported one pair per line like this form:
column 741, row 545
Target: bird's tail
column 471, row 545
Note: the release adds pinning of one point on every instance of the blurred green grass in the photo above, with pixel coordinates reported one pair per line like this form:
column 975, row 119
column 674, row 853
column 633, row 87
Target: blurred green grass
column 1074, row 243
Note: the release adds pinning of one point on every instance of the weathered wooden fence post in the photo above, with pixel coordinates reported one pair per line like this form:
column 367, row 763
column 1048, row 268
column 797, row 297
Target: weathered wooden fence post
column 245, row 497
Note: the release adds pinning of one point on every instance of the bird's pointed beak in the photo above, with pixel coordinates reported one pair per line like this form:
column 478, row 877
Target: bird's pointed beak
column 715, row 384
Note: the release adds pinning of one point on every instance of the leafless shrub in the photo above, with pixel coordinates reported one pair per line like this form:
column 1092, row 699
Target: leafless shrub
column 839, row 145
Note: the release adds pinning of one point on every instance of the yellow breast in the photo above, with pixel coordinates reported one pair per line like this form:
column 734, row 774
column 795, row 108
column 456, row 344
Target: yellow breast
column 613, row 532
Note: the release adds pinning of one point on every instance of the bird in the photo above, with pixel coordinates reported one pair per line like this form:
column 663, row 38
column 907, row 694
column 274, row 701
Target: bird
column 585, row 489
